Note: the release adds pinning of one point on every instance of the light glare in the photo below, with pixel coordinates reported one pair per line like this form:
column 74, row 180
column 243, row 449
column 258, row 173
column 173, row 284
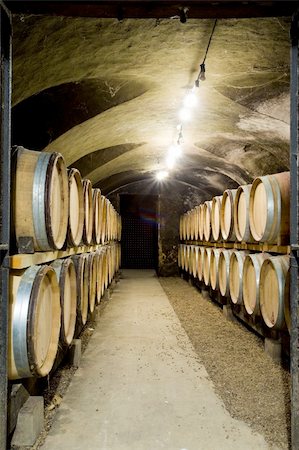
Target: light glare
column 190, row 100
column 176, row 150
column 170, row 161
column 162, row 175
column 185, row 115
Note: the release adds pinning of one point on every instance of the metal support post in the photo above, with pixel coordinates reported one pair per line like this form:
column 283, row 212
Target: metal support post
column 294, row 350
column 5, row 132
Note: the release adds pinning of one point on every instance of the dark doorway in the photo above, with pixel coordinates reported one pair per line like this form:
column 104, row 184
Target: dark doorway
column 139, row 231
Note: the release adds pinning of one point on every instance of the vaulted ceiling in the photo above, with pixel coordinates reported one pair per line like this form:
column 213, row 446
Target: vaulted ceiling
column 106, row 93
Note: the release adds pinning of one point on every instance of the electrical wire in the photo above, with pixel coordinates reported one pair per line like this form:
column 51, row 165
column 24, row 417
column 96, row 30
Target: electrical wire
column 201, row 76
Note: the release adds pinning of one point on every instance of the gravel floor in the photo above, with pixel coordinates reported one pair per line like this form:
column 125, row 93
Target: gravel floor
column 253, row 388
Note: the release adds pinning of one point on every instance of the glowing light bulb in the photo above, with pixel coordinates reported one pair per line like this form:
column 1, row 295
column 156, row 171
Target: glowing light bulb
column 190, row 100
column 170, row 161
column 162, row 175
column 185, row 115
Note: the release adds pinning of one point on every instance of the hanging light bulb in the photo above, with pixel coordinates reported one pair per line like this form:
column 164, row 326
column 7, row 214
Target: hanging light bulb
column 161, row 175
column 191, row 99
column 170, row 160
column 185, row 115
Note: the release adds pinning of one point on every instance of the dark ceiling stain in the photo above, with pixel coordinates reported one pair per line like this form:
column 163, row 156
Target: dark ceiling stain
column 45, row 116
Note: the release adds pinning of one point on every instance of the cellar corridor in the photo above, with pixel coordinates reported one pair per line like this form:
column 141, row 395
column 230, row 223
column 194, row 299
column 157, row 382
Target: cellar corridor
column 140, row 385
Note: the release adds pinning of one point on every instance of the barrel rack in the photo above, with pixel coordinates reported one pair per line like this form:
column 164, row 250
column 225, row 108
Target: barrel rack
column 256, row 247
column 23, row 260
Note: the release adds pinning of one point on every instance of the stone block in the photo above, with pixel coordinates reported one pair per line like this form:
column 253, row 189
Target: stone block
column 30, row 422
column 107, row 294
column 75, row 352
column 228, row 313
column 19, row 395
column 273, row 348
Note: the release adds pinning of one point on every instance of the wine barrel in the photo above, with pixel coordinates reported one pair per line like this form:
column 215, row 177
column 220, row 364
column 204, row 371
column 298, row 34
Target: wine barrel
column 269, row 208
column 214, row 262
column 104, row 227
column 184, row 232
column 100, row 288
column 183, row 251
column 118, row 257
column 207, row 207
column 236, row 276
column 181, row 226
column 105, row 269
column 195, row 261
column 206, row 265
column 119, row 227
column 66, row 275
column 241, row 214
column 187, row 260
column 223, row 271
column 227, row 215
column 180, row 256
column 76, row 208
column 215, row 217
column 287, row 302
column 251, row 281
column 34, row 322
column 200, row 262
column 201, row 222
column 82, row 273
column 40, row 199
column 92, row 278
column 96, row 195
column 196, row 223
column 188, row 225
column 272, row 290
column 88, row 212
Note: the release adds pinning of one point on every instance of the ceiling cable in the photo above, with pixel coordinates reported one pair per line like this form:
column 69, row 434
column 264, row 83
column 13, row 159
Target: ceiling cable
column 202, row 73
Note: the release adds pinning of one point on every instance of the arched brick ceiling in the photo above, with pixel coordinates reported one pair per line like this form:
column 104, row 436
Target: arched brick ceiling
column 106, row 94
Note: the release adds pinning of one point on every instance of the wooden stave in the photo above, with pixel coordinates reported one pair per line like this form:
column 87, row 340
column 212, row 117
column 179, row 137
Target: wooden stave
column 34, row 191
column 281, row 265
column 21, row 343
column 256, row 259
column 88, row 224
column 62, row 268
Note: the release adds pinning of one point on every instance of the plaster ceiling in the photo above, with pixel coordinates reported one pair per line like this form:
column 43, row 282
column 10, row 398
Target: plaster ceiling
column 106, row 94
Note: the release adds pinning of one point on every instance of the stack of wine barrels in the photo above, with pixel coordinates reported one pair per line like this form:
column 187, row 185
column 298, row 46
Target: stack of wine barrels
column 53, row 209
column 252, row 214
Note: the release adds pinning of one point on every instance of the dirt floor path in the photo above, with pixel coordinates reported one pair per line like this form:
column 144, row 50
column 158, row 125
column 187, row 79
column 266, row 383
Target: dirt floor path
column 253, row 387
